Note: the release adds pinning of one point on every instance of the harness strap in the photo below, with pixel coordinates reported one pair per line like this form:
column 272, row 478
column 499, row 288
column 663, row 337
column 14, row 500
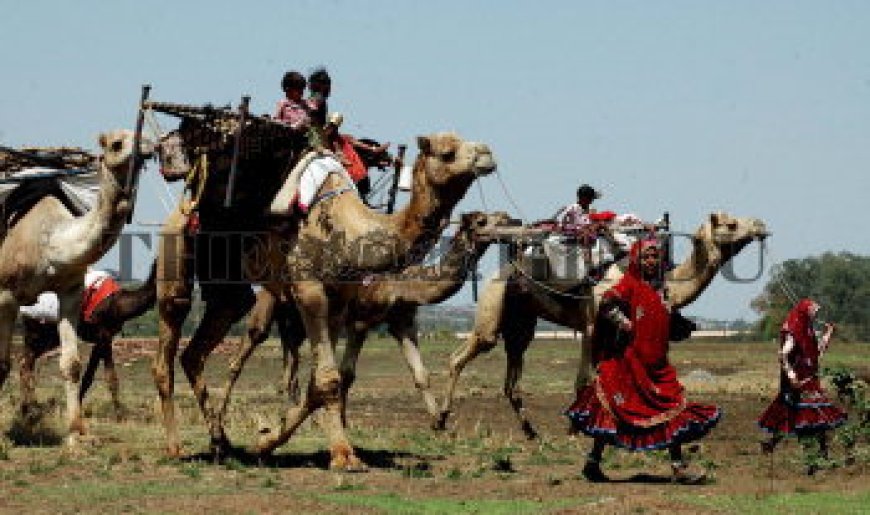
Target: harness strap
column 328, row 195
column 195, row 182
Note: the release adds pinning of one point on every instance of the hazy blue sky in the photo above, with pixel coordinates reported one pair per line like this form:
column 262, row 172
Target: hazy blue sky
column 757, row 108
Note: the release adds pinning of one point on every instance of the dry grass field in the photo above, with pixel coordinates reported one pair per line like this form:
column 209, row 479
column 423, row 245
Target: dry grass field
column 482, row 464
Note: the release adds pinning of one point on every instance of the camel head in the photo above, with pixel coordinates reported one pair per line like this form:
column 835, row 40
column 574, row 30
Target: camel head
column 730, row 234
column 117, row 150
column 449, row 164
column 480, row 225
column 179, row 148
column 174, row 163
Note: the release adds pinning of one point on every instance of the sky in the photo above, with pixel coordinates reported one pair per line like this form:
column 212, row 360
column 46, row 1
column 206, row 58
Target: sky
column 759, row 109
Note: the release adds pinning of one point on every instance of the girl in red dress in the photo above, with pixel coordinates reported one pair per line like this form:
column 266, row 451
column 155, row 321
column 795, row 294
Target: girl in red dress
column 636, row 402
column 801, row 408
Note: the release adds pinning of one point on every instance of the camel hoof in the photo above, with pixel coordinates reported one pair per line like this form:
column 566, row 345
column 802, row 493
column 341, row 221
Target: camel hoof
column 121, row 413
column 529, row 431
column 265, row 445
column 174, row 451
column 351, row 463
column 221, row 448
column 440, row 423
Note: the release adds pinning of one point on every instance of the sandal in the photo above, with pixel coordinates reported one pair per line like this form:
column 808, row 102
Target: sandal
column 592, row 473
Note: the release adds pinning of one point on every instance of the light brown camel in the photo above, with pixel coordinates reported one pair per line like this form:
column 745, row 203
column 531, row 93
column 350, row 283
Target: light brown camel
column 511, row 305
column 360, row 305
column 107, row 320
column 49, row 249
column 339, row 238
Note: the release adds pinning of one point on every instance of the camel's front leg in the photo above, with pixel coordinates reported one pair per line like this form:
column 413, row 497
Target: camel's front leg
column 102, row 352
column 323, row 388
column 516, row 343
column 356, row 337
column 111, row 376
column 39, row 338
column 8, row 315
column 584, row 325
column 174, row 285
column 71, row 366
column 292, row 333
column 27, row 380
column 403, row 327
column 484, row 336
column 258, row 326
column 216, row 322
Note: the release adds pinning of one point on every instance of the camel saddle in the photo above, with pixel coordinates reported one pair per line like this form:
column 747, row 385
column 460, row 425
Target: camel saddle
column 27, row 175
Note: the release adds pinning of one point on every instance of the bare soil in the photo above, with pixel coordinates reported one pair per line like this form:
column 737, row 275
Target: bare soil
column 482, row 463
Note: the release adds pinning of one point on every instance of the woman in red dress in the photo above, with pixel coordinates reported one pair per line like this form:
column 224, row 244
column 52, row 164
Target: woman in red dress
column 636, row 402
column 801, row 408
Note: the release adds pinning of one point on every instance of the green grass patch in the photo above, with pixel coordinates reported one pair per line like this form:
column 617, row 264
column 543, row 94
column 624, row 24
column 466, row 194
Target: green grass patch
column 90, row 493
column 393, row 503
column 799, row 502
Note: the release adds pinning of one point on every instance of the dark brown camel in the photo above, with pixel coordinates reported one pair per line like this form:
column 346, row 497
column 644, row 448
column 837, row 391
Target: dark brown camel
column 108, row 319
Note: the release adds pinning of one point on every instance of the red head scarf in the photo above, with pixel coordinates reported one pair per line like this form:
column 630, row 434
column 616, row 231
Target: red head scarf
column 799, row 324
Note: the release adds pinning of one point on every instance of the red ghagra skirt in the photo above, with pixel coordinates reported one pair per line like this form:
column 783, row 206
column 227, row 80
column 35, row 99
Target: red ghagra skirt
column 639, row 409
column 805, row 412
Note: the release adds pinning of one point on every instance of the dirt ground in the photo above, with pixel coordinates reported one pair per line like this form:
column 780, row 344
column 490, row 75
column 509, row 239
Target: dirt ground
column 481, row 464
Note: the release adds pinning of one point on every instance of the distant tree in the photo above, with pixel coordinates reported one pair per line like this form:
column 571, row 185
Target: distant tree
column 839, row 282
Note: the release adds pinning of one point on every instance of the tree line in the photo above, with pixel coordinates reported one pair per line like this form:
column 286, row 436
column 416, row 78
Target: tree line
column 840, row 282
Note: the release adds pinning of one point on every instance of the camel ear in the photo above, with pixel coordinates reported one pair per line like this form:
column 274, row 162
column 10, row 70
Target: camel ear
column 425, row 144
column 714, row 219
column 103, row 140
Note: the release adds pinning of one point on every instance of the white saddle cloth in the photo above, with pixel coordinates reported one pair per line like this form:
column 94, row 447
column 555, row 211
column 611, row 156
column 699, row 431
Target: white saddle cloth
column 46, row 308
column 304, row 181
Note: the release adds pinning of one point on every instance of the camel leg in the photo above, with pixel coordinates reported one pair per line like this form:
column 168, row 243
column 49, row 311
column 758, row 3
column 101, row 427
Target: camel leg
column 259, row 323
column 584, row 370
column 174, row 285
column 404, row 329
column 484, row 336
column 216, row 323
column 8, row 315
column 90, row 371
column 172, row 314
column 356, row 337
column 27, row 381
column 292, row 333
column 324, row 385
column 70, row 364
column 518, row 333
column 291, row 342
column 39, row 338
column 111, row 375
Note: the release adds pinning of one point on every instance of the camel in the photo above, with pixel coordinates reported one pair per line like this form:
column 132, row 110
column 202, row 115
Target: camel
column 108, row 319
column 391, row 298
column 339, row 237
column 49, row 249
column 510, row 307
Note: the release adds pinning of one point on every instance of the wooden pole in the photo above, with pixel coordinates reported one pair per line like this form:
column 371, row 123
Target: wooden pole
column 237, row 147
column 132, row 175
column 397, row 171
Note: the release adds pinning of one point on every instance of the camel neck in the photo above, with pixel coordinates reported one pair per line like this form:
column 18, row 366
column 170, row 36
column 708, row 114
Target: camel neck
column 446, row 278
column 686, row 282
column 86, row 238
